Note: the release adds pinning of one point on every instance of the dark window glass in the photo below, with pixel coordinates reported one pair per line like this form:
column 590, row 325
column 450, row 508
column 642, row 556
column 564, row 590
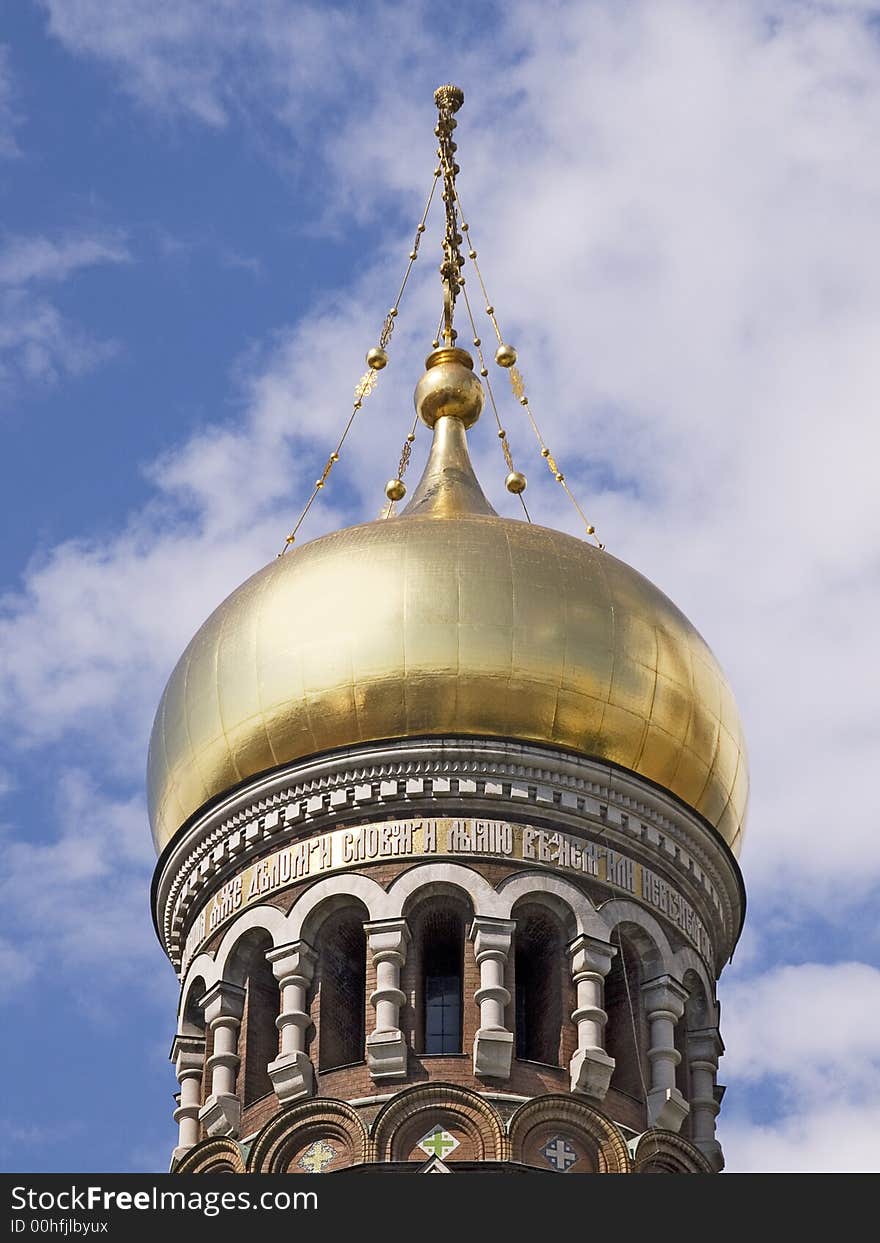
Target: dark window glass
column 443, row 944
column 442, row 1013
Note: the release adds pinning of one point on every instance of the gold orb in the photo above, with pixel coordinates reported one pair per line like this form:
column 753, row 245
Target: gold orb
column 515, row 482
column 449, row 387
column 505, row 355
column 377, row 358
column 395, row 489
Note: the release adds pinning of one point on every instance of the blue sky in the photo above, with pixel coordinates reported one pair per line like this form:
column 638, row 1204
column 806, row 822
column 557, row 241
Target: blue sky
column 205, row 210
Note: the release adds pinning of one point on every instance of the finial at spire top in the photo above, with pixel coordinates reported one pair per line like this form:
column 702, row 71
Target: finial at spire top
column 448, row 98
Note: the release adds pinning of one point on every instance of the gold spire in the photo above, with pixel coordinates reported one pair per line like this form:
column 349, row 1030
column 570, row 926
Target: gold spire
column 448, row 398
column 448, row 100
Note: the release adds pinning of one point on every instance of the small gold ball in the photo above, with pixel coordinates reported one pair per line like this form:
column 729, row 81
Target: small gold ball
column 523, row 401
column 465, row 227
column 591, row 530
column 319, row 483
column 435, row 344
column 490, row 310
column 395, row 489
column 560, row 477
column 501, row 433
column 472, row 254
column 505, row 355
column 515, row 482
column 334, row 457
column 545, row 452
column 377, row 358
column 420, row 229
column 413, row 254
column 477, row 342
column 484, row 371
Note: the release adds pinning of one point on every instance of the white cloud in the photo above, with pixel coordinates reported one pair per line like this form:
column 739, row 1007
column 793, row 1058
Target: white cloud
column 681, row 241
column 39, row 344
column 74, row 899
column 826, row 1139
column 675, row 207
column 26, row 259
column 812, row 1024
column 803, row 1038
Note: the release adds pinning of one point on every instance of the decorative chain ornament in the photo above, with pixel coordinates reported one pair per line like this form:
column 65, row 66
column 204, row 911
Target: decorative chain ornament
column 505, row 356
column 377, row 359
column 515, row 481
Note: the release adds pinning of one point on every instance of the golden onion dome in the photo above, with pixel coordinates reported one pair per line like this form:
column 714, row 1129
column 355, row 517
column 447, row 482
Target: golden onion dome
column 447, row 620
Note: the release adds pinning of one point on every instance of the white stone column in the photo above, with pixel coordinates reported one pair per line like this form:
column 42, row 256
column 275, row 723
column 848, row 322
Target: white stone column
column 188, row 1056
column 704, row 1049
column 493, row 1044
column 591, row 1067
column 387, row 940
column 223, row 1006
column 664, row 1000
column 292, row 1073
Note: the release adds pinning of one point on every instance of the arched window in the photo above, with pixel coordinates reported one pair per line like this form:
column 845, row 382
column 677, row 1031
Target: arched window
column 342, row 983
column 258, row 1037
column 625, row 1035
column 438, row 930
column 538, row 965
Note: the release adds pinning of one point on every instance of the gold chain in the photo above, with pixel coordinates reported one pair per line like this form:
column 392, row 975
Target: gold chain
column 484, row 372
column 517, row 383
column 377, row 359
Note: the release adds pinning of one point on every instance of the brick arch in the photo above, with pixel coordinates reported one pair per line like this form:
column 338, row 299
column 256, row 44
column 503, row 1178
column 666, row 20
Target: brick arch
column 212, row 1156
column 571, row 904
column 687, row 959
column 348, row 887
column 284, row 1135
column 428, row 878
column 664, row 1152
column 202, row 967
column 645, row 932
column 602, row 1136
column 266, row 919
column 398, row 1121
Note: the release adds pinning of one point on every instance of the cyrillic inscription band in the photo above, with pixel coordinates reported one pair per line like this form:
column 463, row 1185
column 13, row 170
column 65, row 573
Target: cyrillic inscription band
column 352, row 847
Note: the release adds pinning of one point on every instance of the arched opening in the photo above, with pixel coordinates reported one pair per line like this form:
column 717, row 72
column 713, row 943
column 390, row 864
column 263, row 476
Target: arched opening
column 258, row 1039
column 438, row 928
column 341, row 984
column 626, row 1036
column 694, row 1019
column 539, row 964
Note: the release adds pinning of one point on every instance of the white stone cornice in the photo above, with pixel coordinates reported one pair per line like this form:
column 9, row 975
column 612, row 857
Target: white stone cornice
column 449, row 777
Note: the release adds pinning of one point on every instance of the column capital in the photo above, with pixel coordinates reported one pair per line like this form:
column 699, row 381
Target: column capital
column 387, row 938
column 705, row 1045
column 297, row 958
column 223, row 1001
column 187, row 1054
column 590, row 954
column 665, row 994
column 491, row 936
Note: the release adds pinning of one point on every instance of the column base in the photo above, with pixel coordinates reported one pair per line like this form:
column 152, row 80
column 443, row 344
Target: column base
column 293, row 1077
column 591, row 1071
column 667, row 1109
column 386, row 1055
column 221, row 1115
column 493, row 1054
